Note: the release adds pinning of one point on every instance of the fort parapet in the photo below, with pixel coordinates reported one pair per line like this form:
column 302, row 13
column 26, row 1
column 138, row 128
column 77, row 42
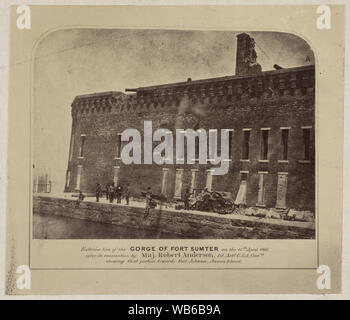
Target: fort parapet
column 268, row 87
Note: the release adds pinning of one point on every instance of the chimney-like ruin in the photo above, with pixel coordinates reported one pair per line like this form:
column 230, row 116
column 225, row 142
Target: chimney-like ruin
column 246, row 56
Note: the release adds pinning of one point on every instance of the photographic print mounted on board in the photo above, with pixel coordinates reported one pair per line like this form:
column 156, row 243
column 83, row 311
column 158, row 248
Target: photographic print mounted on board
column 174, row 134
column 180, row 145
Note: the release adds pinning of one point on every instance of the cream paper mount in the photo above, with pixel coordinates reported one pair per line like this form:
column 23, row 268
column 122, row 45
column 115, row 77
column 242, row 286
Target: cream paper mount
column 114, row 115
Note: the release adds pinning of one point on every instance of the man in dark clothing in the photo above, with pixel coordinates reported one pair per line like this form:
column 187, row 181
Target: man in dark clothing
column 111, row 193
column 148, row 202
column 81, row 196
column 187, row 199
column 98, row 192
column 107, row 191
column 127, row 194
column 119, row 192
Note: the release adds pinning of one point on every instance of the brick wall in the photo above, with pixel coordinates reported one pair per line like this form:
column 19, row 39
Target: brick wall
column 274, row 99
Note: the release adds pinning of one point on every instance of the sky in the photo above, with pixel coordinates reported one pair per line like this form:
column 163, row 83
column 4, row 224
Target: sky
column 72, row 62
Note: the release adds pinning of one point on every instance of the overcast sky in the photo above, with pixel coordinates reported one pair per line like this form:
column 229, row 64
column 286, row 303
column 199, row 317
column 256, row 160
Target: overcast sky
column 80, row 61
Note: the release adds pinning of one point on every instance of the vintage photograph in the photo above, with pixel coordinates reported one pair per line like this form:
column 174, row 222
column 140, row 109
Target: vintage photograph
column 173, row 134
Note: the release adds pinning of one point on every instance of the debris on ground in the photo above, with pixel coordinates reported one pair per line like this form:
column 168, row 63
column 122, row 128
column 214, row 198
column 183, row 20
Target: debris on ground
column 296, row 215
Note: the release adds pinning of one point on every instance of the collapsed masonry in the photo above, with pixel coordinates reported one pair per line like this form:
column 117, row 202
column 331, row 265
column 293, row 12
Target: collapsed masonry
column 246, row 56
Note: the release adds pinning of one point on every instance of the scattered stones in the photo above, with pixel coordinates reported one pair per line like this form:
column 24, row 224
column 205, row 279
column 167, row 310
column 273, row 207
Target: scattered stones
column 261, row 213
column 250, row 211
column 300, row 215
column 273, row 214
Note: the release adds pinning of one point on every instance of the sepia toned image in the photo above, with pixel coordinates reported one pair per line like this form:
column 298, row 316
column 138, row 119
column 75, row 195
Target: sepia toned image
column 175, row 149
column 259, row 86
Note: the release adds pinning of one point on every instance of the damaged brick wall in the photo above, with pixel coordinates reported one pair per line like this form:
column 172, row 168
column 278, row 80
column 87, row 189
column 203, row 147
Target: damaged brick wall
column 273, row 99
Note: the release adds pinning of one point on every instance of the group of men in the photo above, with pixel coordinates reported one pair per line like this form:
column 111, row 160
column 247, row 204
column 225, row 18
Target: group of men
column 113, row 192
column 117, row 192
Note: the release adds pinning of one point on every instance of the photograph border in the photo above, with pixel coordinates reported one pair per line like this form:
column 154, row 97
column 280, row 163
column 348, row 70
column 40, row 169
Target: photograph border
column 172, row 28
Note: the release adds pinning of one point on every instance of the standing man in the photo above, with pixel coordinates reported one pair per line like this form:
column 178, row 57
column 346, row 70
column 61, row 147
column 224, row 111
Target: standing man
column 98, row 192
column 127, row 193
column 81, row 196
column 119, row 192
column 111, row 192
column 107, row 191
column 187, row 199
column 148, row 202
